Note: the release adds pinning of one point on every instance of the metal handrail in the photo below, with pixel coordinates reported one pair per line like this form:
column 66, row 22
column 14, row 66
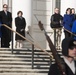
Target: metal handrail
column 33, row 44
column 69, row 32
column 66, row 30
column 55, row 39
column 31, row 41
column 26, row 39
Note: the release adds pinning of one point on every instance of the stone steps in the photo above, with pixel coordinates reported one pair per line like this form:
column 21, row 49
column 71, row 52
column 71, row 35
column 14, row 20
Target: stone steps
column 20, row 62
column 21, row 73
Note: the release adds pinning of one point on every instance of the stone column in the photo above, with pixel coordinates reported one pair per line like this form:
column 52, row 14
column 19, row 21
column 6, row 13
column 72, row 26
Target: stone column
column 0, row 5
column 10, row 5
column 5, row 1
column 25, row 6
column 43, row 9
column 8, row 2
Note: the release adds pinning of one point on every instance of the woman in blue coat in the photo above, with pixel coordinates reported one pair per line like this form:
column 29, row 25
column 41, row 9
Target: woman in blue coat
column 67, row 22
column 74, row 28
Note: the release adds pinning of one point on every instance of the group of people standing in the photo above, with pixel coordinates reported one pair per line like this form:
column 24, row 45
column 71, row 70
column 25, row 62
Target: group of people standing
column 57, row 21
column 68, row 22
column 6, row 18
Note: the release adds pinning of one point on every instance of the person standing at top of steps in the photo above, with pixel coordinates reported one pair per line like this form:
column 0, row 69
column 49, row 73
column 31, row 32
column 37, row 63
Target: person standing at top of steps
column 20, row 24
column 6, row 18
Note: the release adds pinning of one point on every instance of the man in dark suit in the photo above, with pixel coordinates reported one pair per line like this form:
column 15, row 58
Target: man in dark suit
column 6, row 18
column 69, row 52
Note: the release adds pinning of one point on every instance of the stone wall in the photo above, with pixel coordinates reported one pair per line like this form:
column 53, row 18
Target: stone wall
column 42, row 9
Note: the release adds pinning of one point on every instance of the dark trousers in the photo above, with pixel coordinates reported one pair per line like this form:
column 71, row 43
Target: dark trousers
column 4, row 42
column 67, row 34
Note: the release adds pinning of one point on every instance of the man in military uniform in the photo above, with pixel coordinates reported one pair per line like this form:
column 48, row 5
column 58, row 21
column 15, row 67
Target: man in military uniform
column 69, row 52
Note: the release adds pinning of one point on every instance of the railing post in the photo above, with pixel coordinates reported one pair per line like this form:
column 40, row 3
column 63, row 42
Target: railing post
column 32, row 56
column 55, row 37
column 12, row 42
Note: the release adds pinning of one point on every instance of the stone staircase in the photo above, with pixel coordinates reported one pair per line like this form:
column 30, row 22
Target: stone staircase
column 20, row 62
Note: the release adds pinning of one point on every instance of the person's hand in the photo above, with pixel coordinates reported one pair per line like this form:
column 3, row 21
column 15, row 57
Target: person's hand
column 22, row 30
column 60, row 21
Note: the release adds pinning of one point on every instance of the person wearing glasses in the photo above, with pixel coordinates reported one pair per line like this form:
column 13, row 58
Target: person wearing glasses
column 56, row 19
column 56, row 25
column 69, row 54
column 6, row 18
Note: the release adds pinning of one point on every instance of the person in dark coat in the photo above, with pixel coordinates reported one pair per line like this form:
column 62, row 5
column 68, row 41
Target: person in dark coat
column 6, row 18
column 69, row 52
column 56, row 19
column 56, row 24
column 67, row 22
column 20, row 24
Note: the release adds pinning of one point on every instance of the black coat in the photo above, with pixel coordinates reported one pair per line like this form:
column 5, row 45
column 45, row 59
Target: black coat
column 54, row 70
column 55, row 21
column 20, row 24
column 6, row 19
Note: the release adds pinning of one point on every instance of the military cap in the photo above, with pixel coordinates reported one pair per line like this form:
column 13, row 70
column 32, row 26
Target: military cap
column 67, row 43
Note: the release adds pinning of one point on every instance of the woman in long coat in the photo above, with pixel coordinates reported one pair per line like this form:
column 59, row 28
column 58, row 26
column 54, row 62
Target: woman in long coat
column 20, row 24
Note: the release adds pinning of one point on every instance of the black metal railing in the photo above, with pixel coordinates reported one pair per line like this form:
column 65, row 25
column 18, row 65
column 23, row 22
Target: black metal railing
column 31, row 42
